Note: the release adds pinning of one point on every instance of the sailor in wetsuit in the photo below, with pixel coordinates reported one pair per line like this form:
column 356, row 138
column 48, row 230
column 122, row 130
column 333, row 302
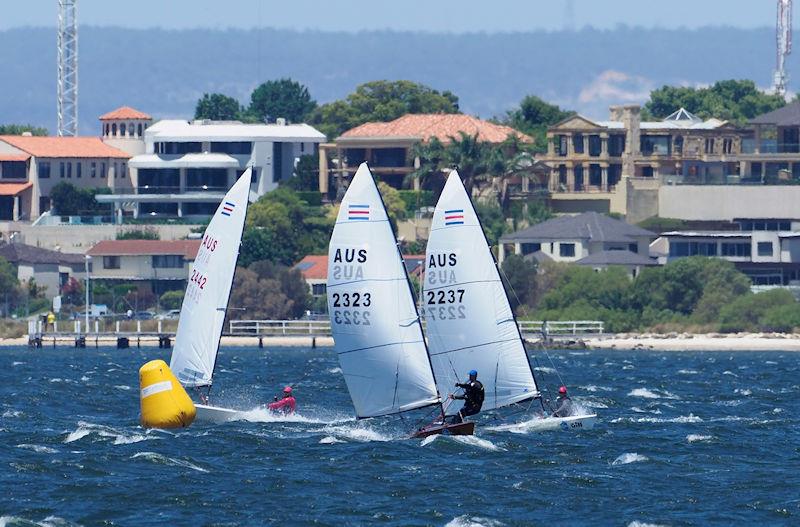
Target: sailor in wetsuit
column 563, row 404
column 473, row 397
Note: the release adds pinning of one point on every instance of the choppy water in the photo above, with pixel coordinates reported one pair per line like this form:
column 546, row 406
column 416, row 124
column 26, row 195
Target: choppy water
column 685, row 438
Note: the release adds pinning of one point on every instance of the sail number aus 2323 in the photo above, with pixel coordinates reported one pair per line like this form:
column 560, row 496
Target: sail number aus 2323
column 354, row 317
column 352, row 299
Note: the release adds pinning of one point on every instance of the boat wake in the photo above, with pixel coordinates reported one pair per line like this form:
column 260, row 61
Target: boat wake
column 473, row 521
column 651, row 394
column 259, row 414
column 356, row 432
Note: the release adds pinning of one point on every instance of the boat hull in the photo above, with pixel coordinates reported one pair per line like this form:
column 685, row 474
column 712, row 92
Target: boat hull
column 215, row 414
column 458, row 429
column 573, row 423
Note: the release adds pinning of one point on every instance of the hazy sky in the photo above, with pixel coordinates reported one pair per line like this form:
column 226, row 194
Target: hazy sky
column 427, row 15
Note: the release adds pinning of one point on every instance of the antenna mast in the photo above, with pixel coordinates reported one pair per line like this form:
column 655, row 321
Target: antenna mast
column 783, row 38
column 67, row 68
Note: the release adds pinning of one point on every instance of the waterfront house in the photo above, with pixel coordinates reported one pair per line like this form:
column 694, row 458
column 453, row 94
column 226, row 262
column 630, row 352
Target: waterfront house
column 156, row 265
column 186, row 167
column 591, row 239
column 388, row 146
column 49, row 269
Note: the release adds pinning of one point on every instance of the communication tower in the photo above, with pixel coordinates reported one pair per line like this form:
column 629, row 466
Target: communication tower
column 783, row 38
column 67, row 67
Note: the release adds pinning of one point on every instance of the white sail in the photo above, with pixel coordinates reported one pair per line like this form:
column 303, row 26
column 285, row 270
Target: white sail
column 210, row 280
column 373, row 317
column 469, row 322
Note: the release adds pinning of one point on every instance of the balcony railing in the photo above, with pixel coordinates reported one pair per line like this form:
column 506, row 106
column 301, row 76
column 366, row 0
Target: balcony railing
column 163, row 189
column 769, row 147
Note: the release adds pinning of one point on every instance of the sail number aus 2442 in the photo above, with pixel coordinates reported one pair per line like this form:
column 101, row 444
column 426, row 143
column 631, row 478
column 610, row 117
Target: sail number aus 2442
column 198, row 279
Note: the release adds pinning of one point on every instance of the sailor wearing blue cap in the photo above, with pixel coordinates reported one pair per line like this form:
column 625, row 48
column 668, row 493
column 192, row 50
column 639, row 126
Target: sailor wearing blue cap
column 473, row 396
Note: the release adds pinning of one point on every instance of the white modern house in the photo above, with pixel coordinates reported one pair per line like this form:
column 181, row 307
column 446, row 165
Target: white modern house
column 187, row 166
column 769, row 257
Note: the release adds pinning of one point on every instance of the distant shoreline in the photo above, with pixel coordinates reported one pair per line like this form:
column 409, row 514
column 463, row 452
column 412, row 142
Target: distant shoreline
column 625, row 341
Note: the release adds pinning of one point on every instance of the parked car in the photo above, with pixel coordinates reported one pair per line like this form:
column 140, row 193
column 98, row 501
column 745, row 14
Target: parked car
column 172, row 314
column 143, row 315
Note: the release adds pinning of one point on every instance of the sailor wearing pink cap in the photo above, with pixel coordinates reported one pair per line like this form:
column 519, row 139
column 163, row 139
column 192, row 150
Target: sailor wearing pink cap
column 285, row 405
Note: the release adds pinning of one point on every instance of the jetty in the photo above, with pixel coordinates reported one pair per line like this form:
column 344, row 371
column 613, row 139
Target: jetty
column 124, row 334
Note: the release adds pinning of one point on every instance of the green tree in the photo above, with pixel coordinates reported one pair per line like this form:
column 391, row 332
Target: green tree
column 752, row 311
column 395, row 206
column 306, row 174
column 69, row 200
column 381, row 101
column 217, row 107
column 282, row 228
column 19, row 129
column 146, row 233
column 292, row 285
column 733, row 100
column 171, row 300
column 520, row 280
column 9, row 287
column 492, row 219
column 533, row 117
column 281, row 98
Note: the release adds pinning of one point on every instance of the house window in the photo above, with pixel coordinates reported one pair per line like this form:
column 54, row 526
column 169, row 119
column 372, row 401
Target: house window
column 727, row 146
column 123, row 169
column 562, row 145
column 167, row 261
column 302, row 147
column 139, row 130
column 528, row 248
column 566, row 250
column 13, row 169
column 102, row 170
column 110, row 262
column 739, row 250
column 78, row 169
column 69, row 170
column 93, row 168
column 44, row 169
column 710, row 145
column 765, row 248
column 577, row 143
column 122, row 129
column 61, row 169
column 114, row 129
column 319, row 289
column 232, row 147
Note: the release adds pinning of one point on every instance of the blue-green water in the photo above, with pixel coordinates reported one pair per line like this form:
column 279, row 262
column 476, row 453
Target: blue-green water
column 684, row 438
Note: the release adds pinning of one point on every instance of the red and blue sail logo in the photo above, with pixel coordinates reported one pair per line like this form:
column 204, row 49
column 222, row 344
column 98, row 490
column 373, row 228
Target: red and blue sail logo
column 358, row 212
column 227, row 208
column 454, row 217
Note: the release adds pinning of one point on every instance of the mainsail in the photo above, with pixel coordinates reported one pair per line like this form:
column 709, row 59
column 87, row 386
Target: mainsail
column 374, row 321
column 210, row 280
column 469, row 322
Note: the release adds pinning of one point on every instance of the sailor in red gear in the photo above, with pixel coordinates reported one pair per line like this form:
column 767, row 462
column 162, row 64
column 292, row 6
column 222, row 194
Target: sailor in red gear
column 285, row 405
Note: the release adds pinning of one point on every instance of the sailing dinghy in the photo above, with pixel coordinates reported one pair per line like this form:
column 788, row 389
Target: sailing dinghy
column 206, row 300
column 469, row 321
column 374, row 320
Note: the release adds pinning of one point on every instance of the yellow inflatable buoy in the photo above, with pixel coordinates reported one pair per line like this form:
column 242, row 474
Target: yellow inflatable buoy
column 164, row 402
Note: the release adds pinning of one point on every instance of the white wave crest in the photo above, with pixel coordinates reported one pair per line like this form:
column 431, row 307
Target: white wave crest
column 38, row 448
column 11, row 413
column 477, row 442
column 17, row 363
column 545, row 369
column 473, row 521
column 637, row 523
column 358, row 432
column 688, row 372
column 119, row 438
column 329, row 440
column 693, row 438
column 628, row 457
column 261, row 414
column 161, row 459
column 680, row 419
column 651, row 394
column 50, row 521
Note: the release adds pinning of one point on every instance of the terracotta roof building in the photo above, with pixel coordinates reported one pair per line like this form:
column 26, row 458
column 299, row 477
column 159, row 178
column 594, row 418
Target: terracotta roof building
column 160, row 265
column 387, row 146
column 125, row 112
column 30, row 166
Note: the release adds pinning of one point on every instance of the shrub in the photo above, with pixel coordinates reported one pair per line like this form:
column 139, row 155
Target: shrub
column 171, row 300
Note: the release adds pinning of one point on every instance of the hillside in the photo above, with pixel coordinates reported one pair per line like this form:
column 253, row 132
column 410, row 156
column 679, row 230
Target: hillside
column 164, row 72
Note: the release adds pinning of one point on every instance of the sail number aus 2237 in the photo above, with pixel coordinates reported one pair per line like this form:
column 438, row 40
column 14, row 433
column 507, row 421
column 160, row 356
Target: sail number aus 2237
column 439, row 304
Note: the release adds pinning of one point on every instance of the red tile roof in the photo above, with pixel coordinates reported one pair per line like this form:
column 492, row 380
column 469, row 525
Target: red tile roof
column 186, row 248
column 313, row 267
column 124, row 112
column 441, row 126
column 63, row 146
column 12, row 189
column 14, row 157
